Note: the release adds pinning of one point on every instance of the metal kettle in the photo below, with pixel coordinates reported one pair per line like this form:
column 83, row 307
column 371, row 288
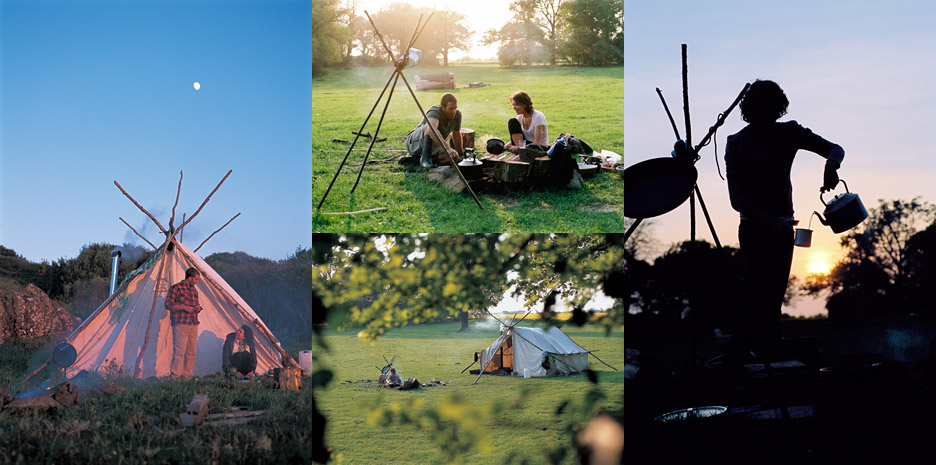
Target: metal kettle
column 843, row 212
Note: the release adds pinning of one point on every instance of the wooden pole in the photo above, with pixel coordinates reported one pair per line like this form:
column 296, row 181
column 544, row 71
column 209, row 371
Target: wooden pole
column 205, row 202
column 161, row 228
column 370, row 147
column 602, row 361
column 138, row 234
column 334, row 178
column 138, row 366
column 178, row 192
column 216, row 232
column 685, row 90
column 421, row 111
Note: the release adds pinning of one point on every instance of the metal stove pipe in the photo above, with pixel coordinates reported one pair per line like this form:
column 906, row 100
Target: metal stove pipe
column 115, row 254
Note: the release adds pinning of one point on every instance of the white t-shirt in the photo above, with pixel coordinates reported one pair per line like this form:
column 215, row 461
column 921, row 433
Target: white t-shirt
column 538, row 119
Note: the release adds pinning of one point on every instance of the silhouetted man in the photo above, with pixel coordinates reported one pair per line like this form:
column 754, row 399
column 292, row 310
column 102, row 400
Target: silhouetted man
column 758, row 160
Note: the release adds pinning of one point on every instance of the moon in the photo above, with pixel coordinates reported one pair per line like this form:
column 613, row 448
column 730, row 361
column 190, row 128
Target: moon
column 196, row 85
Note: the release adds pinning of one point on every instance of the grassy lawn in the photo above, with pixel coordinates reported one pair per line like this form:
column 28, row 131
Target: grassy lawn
column 440, row 352
column 582, row 101
column 141, row 424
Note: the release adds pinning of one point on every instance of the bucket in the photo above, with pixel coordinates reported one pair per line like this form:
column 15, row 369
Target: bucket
column 305, row 360
column 526, row 373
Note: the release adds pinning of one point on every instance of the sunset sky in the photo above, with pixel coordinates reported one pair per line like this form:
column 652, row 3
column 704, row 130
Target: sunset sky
column 859, row 73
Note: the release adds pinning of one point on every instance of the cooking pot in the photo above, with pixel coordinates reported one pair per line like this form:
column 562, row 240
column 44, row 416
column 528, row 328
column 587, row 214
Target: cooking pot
column 656, row 186
column 844, row 212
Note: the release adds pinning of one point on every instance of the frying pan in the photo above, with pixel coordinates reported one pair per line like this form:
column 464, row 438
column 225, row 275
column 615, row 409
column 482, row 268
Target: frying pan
column 657, row 186
column 64, row 355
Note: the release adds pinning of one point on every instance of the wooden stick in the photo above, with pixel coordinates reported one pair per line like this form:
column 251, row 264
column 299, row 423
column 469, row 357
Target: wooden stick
column 685, row 90
column 206, row 201
column 469, row 366
column 178, row 191
column 138, row 234
column 216, row 232
column 180, row 232
column 355, row 213
column 41, row 367
column 335, row 177
column 161, row 228
column 231, row 421
column 246, row 413
column 138, row 367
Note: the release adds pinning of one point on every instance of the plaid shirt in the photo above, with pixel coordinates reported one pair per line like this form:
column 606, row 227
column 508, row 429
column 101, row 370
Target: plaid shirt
column 183, row 293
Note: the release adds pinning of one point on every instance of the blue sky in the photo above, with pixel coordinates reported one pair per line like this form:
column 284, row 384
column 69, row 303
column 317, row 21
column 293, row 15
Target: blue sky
column 97, row 91
column 859, row 73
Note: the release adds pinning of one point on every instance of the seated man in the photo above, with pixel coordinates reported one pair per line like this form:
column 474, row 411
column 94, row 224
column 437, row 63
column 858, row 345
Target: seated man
column 422, row 143
column 238, row 357
column 393, row 379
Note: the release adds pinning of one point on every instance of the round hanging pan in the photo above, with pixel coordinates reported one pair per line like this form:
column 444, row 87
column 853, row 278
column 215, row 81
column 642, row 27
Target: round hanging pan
column 656, row 186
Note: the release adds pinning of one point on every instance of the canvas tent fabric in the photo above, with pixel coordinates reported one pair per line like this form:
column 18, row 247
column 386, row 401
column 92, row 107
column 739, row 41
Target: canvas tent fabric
column 540, row 352
column 116, row 333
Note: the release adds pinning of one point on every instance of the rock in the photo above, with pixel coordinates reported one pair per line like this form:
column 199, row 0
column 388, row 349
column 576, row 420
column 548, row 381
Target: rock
column 28, row 313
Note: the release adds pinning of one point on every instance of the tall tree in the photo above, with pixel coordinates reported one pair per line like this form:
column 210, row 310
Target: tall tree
column 546, row 14
column 449, row 33
column 595, row 31
column 355, row 25
column 521, row 40
column 328, row 34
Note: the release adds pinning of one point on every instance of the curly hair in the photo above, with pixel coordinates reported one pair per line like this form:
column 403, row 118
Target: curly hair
column 522, row 98
column 764, row 101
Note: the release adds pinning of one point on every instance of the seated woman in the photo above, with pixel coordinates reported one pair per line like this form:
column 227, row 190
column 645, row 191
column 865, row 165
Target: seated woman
column 529, row 127
column 238, row 357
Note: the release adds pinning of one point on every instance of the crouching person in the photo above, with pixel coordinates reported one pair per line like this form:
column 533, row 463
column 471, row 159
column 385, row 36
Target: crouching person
column 422, row 143
column 238, row 356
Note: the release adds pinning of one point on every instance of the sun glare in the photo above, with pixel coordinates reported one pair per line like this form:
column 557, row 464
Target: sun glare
column 819, row 267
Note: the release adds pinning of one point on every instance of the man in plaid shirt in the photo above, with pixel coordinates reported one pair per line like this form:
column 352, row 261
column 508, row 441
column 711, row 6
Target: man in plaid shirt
column 183, row 306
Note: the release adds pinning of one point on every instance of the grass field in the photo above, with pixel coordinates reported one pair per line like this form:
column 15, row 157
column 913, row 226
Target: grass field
column 517, row 417
column 580, row 101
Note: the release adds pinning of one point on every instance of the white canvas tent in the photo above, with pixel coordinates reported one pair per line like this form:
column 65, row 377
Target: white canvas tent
column 536, row 351
column 131, row 331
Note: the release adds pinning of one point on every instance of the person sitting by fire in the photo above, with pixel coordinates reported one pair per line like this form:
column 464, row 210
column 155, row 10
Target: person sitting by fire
column 238, row 356
column 422, row 143
column 393, row 379
column 528, row 128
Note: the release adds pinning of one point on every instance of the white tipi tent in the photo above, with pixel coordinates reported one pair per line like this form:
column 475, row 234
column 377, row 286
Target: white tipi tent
column 132, row 328
column 534, row 352
column 131, row 331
